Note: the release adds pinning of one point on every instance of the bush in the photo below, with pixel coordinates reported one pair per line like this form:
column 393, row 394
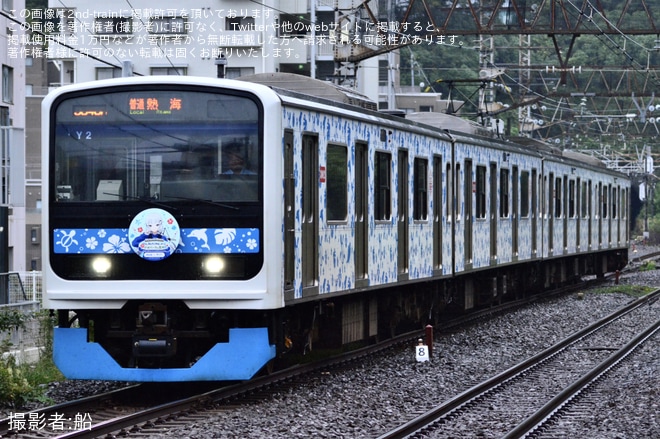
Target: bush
column 22, row 383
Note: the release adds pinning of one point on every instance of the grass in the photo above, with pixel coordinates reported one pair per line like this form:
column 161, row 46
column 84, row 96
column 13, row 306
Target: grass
column 630, row 290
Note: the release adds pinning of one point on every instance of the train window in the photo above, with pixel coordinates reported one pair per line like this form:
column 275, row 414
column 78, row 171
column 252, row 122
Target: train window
column 449, row 203
column 458, row 192
column 614, row 202
column 504, row 193
column 584, row 211
column 571, row 198
column 524, row 194
column 382, row 186
column 558, row 198
column 420, row 209
column 481, row 192
column 337, row 183
column 605, row 201
column 158, row 144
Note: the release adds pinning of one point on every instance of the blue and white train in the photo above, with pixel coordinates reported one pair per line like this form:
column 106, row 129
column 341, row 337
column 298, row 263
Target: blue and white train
column 201, row 229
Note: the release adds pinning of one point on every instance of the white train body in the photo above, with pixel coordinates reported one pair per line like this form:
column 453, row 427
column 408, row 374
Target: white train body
column 348, row 220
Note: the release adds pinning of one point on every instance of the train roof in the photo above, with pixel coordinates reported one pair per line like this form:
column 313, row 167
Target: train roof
column 312, row 87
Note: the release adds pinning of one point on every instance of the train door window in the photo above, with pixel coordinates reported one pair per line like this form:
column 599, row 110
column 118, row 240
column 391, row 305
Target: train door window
column 420, row 186
column 504, row 193
column 614, row 203
column 458, row 192
column 466, row 201
column 515, row 190
column 382, row 185
column 480, row 208
column 310, row 207
column 534, row 209
column 337, row 183
column 402, row 202
column 361, row 213
column 558, row 198
column 437, row 212
column 524, row 194
column 451, row 208
column 290, row 211
column 546, row 196
column 571, row 198
column 605, row 201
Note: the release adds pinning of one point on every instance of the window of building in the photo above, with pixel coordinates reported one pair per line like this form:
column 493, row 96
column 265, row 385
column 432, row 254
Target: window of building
column 383, row 72
column 420, row 187
column 337, row 183
column 7, row 84
column 169, row 71
column 236, row 72
column 4, row 116
column 294, row 25
column 241, row 24
column 167, row 25
column 108, row 72
column 382, row 186
column 7, row 5
column 481, row 192
column 113, row 25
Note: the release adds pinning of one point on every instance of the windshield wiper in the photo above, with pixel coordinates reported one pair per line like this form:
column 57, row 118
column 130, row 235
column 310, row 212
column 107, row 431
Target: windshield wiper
column 211, row 202
column 146, row 200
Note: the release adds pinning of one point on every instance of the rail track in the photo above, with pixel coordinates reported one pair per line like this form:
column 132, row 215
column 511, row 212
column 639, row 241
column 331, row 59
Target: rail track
column 142, row 410
column 527, row 396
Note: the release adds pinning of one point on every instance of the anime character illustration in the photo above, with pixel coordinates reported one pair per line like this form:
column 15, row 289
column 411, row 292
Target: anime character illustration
column 154, row 234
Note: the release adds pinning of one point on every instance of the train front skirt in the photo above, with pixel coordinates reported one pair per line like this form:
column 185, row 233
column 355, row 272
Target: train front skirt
column 246, row 353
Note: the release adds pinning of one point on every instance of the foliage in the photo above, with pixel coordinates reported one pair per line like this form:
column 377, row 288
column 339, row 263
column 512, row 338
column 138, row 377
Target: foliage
column 22, row 383
column 630, row 290
column 648, row 266
column 11, row 319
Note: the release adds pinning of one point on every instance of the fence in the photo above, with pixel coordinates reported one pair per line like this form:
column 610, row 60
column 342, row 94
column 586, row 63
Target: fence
column 17, row 288
column 22, row 292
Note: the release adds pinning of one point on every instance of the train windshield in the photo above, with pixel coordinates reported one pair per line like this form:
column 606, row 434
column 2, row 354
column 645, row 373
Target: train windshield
column 165, row 145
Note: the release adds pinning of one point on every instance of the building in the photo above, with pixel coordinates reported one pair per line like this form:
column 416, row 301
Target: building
column 229, row 38
column 12, row 140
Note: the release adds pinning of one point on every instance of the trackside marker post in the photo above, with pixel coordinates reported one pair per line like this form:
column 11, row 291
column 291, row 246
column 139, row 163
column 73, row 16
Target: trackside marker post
column 421, row 351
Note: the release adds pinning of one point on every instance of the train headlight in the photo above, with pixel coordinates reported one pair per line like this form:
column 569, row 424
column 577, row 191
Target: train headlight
column 101, row 265
column 213, row 265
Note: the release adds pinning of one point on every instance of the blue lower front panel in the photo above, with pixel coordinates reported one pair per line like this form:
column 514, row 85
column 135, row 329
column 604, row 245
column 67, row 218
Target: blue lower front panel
column 240, row 359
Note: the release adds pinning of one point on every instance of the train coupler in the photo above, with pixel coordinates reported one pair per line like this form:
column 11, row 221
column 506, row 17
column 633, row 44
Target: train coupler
column 150, row 346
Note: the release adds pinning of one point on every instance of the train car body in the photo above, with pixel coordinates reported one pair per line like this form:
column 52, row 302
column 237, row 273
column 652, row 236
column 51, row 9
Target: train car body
column 167, row 263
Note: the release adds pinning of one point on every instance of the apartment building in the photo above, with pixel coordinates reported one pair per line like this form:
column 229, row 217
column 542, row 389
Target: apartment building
column 207, row 38
column 12, row 140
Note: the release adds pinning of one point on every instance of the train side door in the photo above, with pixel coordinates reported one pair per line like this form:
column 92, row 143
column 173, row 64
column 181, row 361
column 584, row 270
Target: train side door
column 590, row 215
column 361, row 214
column 467, row 206
column 578, row 214
column 493, row 213
column 600, row 211
column 514, row 214
column 402, row 223
column 551, row 213
column 289, row 213
column 565, row 213
column 310, row 213
column 437, row 213
column 534, row 211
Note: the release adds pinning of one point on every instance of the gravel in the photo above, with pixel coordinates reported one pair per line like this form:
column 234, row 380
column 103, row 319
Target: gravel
column 357, row 402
